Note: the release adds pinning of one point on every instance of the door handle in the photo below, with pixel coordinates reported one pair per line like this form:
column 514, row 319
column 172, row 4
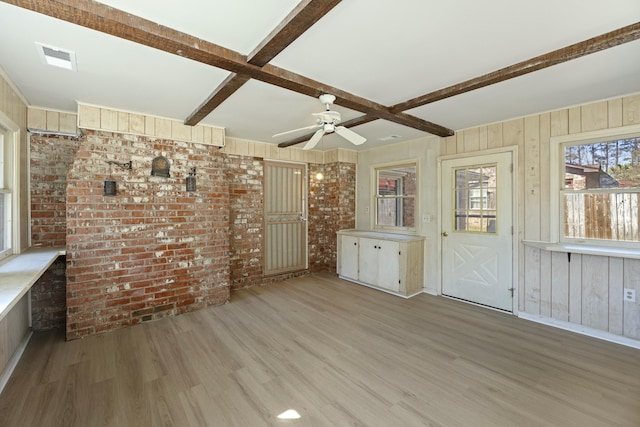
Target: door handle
column 445, row 234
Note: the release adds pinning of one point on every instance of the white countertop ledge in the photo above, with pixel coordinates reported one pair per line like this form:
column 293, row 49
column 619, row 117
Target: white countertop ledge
column 584, row 249
column 19, row 272
column 381, row 235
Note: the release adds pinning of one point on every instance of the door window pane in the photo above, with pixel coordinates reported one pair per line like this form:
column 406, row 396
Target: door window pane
column 475, row 199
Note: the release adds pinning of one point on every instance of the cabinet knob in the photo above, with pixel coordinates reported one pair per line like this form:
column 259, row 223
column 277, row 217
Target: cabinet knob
column 355, row 244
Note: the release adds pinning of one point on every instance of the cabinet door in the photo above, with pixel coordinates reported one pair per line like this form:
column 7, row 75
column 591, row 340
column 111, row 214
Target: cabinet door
column 368, row 261
column 388, row 265
column 349, row 257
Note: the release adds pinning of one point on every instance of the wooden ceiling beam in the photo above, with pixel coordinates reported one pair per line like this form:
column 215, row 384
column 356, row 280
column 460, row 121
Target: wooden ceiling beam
column 595, row 44
column 303, row 16
column 349, row 123
column 103, row 18
column 224, row 90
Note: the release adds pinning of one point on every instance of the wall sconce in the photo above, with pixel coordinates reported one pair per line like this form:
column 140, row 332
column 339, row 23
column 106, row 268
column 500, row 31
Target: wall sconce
column 191, row 180
column 320, row 178
column 110, row 188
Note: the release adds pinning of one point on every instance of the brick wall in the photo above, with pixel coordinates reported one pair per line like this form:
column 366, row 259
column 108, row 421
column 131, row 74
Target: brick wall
column 246, row 221
column 153, row 250
column 49, row 163
column 335, row 210
column 50, row 158
column 331, row 204
column 48, row 297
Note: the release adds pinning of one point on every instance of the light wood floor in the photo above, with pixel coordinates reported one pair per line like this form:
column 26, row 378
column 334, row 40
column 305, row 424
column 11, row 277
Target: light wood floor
column 338, row 353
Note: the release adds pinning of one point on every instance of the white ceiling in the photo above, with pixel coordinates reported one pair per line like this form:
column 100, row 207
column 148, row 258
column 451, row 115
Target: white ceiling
column 381, row 50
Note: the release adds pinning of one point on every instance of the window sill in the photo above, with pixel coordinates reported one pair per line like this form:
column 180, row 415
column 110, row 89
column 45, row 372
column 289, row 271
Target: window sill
column 19, row 272
column 584, row 249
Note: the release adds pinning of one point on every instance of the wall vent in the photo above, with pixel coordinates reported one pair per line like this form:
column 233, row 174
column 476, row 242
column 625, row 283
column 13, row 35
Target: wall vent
column 57, row 57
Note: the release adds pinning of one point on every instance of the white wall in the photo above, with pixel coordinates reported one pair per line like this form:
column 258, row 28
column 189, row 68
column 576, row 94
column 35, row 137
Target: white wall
column 586, row 292
column 426, row 152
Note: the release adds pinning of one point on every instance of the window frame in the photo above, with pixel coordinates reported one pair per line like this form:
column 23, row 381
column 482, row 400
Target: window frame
column 557, row 184
column 374, row 199
column 11, row 177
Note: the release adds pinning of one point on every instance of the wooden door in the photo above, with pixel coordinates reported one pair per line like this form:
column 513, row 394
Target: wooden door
column 477, row 230
column 285, row 213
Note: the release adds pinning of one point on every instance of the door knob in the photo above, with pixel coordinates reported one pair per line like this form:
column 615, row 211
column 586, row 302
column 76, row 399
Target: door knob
column 445, row 234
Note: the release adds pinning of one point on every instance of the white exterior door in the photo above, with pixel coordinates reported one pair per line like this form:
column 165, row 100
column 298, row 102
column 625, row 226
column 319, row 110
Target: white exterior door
column 477, row 230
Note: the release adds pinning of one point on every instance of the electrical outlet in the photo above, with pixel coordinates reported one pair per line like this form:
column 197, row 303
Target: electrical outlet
column 629, row 295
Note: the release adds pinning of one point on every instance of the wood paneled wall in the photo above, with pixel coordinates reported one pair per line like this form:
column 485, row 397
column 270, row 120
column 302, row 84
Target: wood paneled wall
column 15, row 326
column 13, row 108
column 587, row 290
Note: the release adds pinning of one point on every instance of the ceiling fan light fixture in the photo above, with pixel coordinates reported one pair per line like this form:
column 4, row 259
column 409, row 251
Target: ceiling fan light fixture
column 326, row 124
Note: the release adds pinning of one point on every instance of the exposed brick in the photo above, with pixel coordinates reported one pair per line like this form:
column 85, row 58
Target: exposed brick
column 48, row 301
column 145, row 256
column 154, row 250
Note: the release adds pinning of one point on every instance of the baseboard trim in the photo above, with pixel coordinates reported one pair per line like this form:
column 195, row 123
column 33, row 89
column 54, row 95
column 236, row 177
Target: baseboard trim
column 13, row 362
column 583, row 330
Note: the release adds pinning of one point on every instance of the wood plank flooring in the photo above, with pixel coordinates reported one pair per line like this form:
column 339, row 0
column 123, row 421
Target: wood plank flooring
column 338, row 353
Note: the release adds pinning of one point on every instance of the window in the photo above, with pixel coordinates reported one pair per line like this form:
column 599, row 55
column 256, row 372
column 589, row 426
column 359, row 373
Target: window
column 395, row 198
column 475, row 199
column 6, row 210
column 600, row 190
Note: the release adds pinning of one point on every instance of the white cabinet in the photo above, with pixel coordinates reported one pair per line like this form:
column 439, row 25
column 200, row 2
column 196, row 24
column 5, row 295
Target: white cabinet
column 390, row 262
column 349, row 268
column 378, row 263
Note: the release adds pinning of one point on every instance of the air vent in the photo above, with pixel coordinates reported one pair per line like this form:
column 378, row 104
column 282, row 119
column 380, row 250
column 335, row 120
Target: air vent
column 57, row 57
column 389, row 138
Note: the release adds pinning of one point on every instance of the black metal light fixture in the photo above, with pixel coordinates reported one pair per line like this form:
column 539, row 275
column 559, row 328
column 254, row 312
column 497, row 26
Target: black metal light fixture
column 110, row 188
column 191, row 180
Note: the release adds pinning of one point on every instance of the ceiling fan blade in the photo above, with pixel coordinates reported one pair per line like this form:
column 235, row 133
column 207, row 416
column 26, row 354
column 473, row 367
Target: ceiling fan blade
column 314, row 140
column 295, row 130
column 350, row 135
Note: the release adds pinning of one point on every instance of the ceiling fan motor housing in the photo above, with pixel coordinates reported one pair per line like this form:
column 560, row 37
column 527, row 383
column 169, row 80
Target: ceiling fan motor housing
column 327, row 98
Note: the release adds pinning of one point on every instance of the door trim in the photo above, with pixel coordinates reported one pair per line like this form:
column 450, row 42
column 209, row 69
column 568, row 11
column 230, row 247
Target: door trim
column 515, row 256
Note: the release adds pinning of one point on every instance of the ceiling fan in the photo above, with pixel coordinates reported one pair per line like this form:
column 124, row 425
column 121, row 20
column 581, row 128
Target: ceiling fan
column 326, row 122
